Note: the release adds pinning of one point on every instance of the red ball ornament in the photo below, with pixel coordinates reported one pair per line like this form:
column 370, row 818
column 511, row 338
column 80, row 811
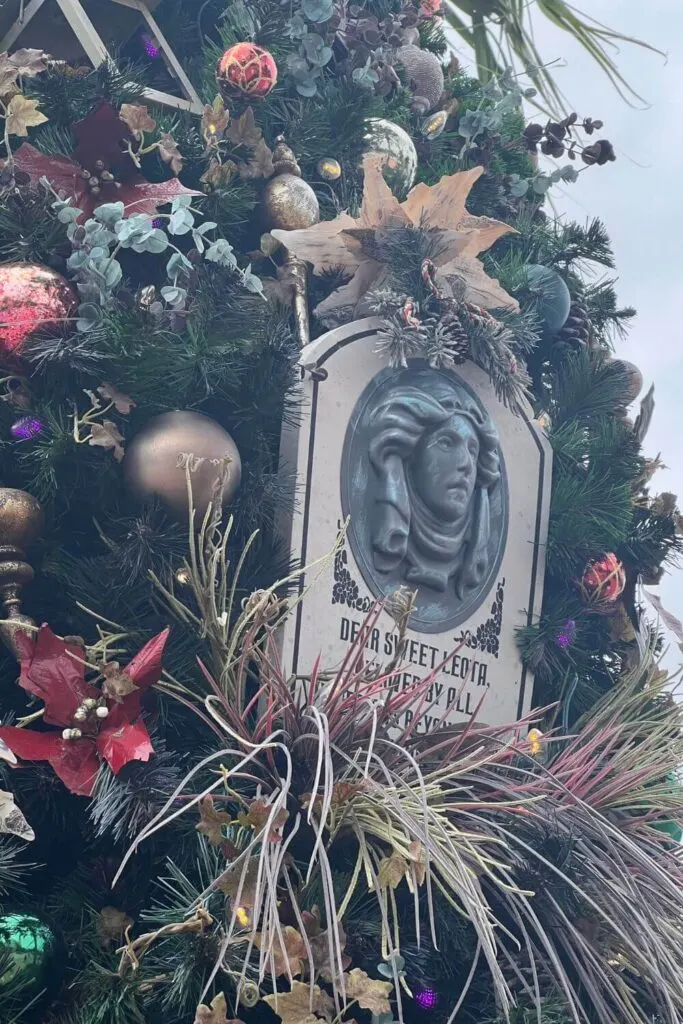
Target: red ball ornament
column 247, row 70
column 32, row 298
column 603, row 583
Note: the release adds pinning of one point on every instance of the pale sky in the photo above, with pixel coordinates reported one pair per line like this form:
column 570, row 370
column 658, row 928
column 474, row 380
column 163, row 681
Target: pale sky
column 640, row 200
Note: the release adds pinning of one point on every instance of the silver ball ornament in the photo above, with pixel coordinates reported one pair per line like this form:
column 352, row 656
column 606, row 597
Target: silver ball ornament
column 395, row 148
column 154, row 462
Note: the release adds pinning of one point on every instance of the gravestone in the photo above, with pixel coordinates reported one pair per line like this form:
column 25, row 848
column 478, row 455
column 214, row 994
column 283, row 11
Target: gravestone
column 443, row 491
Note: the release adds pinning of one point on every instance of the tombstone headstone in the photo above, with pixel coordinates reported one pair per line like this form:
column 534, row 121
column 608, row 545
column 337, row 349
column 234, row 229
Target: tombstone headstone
column 445, row 492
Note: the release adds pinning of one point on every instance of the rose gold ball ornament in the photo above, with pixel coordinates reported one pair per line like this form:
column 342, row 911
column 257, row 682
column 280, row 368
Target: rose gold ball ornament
column 31, row 297
column 289, row 202
column 155, row 462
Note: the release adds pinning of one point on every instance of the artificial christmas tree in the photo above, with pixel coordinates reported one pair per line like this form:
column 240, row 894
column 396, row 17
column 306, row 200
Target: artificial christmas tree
column 214, row 839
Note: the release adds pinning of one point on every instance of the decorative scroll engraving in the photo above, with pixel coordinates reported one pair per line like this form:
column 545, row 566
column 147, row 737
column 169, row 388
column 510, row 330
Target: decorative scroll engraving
column 424, row 484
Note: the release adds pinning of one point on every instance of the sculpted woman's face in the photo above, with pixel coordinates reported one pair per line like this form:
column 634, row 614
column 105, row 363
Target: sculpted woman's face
column 444, row 468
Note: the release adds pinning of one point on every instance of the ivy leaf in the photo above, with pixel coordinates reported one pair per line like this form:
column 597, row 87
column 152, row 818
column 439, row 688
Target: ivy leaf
column 367, row 992
column 302, row 1005
column 216, row 1013
column 212, row 822
column 229, row 883
column 170, row 153
column 217, row 174
column 136, row 116
column 244, row 131
column 107, row 435
column 12, row 821
column 221, row 252
column 22, row 114
column 392, row 871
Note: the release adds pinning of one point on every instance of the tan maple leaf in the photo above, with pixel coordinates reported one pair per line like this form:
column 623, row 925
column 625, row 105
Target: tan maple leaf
column 218, row 174
column 260, row 163
column 216, row 1013
column 215, row 118
column 392, row 870
column 370, row 994
column 288, row 953
column 111, row 925
column 170, row 153
column 229, row 883
column 22, row 114
column 305, row 1004
column 211, row 821
column 107, row 435
column 138, row 119
column 122, row 403
column 350, row 243
column 12, row 820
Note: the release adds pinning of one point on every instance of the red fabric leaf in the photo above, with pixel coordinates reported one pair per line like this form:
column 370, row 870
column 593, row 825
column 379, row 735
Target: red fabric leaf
column 140, row 196
column 102, row 135
column 120, row 742
column 145, row 671
column 75, row 762
column 50, row 670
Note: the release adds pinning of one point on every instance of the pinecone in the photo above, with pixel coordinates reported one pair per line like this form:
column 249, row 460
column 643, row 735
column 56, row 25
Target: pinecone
column 456, row 344
column 578, row 330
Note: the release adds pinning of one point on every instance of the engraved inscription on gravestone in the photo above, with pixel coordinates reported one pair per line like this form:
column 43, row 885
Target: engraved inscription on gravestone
column 445, row 492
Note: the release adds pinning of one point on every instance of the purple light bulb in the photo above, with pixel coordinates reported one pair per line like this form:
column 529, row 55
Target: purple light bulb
column 152, row 48
column 427, row 998
column 565, row 637
column 158, row 222
column 27, row 428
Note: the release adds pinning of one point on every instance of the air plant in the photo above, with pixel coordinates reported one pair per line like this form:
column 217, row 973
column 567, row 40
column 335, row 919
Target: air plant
column 312, row 772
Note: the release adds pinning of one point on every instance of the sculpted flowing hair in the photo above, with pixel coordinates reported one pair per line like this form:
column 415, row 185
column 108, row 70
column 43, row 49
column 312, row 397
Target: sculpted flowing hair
column 397, row 425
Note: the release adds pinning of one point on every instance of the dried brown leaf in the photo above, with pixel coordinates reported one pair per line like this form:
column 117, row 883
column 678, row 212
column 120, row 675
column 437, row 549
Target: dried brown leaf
column 12, row 821
column 257, row 816
column 288, row 955
column 260, row 164
column 303, row 1005
column 117, row 684
column 392, row 870
column 369, row 993
column 137, row 117
column 107, row 435
column 217, row 175
column 111, row 925
column 229, row 883
column 216, row 1013
column 28, row 61
column 215, row 118
column 244, row 131
column 122, row 403
column 211, row 821
column 22, row 114
column 170, row 153
column 417, row 856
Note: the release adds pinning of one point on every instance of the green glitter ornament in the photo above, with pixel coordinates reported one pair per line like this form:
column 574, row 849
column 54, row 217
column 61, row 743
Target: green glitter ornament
column 30, row 959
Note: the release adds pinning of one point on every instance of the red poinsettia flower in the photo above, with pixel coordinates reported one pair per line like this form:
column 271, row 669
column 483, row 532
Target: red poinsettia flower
column 53, row 670
column 101, row 137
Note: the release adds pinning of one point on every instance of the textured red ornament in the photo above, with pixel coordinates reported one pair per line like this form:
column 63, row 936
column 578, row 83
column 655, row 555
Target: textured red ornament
column 32, row 297
column 53, row 670
column 247, row 70
column 603, row 582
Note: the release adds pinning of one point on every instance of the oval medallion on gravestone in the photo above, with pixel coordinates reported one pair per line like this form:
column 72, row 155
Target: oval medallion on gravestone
column 424, row 487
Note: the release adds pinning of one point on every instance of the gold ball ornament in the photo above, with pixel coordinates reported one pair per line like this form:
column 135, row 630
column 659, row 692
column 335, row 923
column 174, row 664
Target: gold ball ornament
column 289, row 202
column 329, row 169
column 396, row 150
column 633, row 379
column 155, row 465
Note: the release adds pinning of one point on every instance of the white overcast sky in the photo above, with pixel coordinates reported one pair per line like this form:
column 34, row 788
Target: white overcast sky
column 640, row 199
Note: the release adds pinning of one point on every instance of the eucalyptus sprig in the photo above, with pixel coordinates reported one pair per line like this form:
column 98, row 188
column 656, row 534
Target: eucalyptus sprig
column 97, row 243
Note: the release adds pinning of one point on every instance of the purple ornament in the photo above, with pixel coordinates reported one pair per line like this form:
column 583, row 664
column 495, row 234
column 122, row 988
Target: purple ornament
column 27, row 428
column 427, row 998
column 566, row 636
column 158, row 222
column 152, row 48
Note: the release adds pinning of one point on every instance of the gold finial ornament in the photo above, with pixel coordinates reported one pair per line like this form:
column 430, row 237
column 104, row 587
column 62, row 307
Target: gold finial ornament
column 290, row 203
column 21, row 524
